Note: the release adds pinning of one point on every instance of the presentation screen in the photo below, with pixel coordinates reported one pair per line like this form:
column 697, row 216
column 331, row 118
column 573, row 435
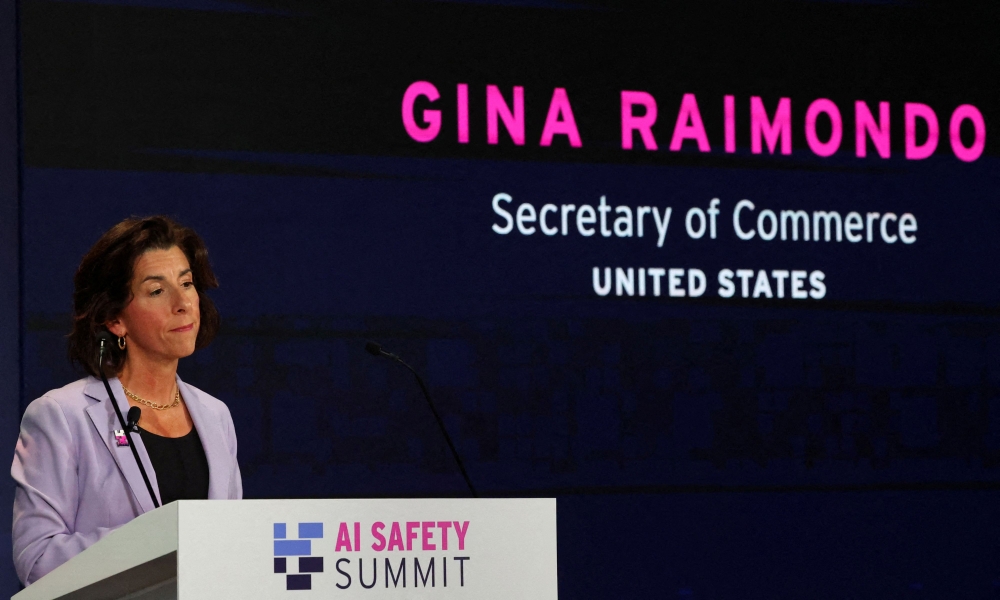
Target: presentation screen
column 721, row 277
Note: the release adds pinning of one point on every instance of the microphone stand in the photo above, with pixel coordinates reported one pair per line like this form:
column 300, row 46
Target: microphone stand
column 377, row 350
column 125, row 427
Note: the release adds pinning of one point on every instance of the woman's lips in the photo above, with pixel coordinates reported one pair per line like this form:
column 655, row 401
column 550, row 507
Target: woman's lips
column 183, row 329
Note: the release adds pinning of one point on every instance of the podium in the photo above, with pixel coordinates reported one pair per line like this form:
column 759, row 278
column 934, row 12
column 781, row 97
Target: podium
column 303, row 549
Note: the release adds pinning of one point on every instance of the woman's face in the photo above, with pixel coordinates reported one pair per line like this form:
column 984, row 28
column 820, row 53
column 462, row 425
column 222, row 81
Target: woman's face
column 162, row 319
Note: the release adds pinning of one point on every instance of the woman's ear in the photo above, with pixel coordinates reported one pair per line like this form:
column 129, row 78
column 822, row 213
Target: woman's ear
column 116, row 328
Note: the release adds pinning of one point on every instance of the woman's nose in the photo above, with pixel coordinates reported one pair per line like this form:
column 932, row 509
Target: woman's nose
column 182, row 303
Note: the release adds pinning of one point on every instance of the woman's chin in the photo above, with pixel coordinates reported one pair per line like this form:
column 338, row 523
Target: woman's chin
column 178, row 351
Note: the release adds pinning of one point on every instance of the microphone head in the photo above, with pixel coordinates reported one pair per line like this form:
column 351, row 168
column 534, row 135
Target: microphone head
column 105, row 336
column 133, row 417
column 373, row 349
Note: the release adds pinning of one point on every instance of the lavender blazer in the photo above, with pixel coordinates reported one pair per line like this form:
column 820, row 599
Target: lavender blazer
column 74, row 484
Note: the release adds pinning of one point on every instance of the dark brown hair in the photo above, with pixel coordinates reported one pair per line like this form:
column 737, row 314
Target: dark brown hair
column 103, row 285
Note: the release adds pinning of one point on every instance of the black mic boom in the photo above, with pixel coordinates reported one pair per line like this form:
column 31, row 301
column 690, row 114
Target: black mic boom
column 105, row 337
column 376, row 350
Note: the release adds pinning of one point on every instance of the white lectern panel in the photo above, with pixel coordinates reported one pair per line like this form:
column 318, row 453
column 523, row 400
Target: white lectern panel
column 447, row 549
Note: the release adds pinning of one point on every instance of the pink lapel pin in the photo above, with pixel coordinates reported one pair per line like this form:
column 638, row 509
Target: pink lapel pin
column 120, row 438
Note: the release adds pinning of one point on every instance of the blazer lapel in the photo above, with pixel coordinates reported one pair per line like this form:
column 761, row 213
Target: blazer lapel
column 213, row 440
column 106, row 422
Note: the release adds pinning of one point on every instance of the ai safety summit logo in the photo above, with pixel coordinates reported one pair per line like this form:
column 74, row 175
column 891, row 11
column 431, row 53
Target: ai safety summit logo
column 286, row 551
column 406, row 554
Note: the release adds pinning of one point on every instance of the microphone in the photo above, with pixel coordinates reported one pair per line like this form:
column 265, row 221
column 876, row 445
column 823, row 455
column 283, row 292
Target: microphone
column 105, row 337
column 133, row 419
column 376, row 350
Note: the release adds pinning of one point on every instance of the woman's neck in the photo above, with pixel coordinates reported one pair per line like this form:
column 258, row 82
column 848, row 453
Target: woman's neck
column 155, row 381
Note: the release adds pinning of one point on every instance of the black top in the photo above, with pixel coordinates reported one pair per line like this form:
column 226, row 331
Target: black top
column 180, row 465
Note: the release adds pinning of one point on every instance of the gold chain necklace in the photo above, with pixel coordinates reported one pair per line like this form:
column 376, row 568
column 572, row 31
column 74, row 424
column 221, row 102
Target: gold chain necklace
column 153, row 405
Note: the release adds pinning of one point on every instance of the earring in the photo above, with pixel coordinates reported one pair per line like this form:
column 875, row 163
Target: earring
column 121, row 343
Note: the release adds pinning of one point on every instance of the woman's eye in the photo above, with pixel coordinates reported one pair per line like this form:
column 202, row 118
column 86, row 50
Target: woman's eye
column 155, row 292
column 188, row 284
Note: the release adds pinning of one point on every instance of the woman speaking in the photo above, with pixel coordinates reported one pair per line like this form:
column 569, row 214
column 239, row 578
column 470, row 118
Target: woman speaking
column 144, row 282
